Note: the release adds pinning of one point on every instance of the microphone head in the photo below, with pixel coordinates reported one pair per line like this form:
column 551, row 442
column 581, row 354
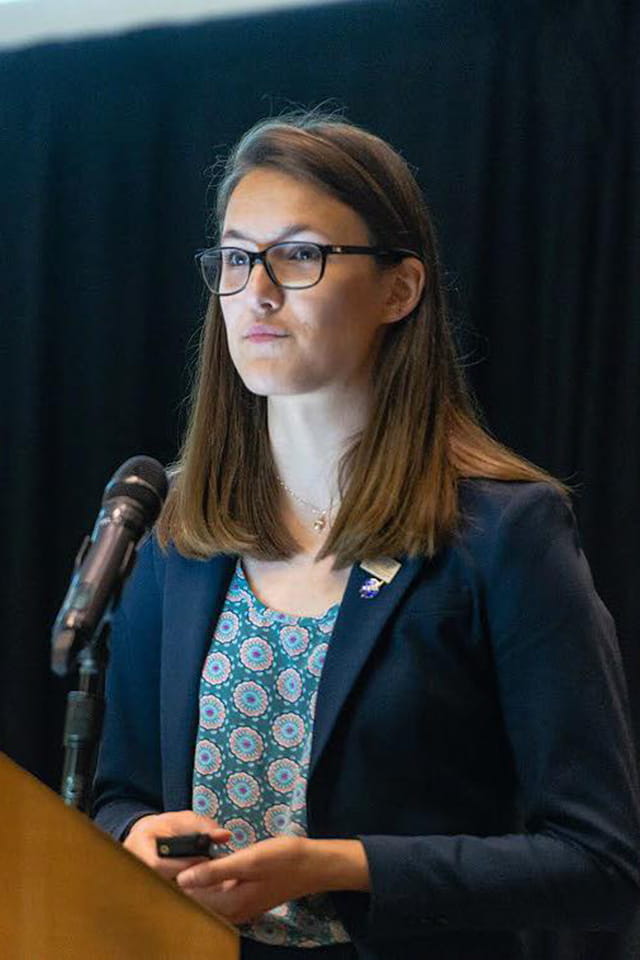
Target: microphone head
column 143, row 480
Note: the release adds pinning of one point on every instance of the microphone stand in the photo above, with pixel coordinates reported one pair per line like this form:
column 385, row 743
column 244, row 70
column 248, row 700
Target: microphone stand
column 83, row 718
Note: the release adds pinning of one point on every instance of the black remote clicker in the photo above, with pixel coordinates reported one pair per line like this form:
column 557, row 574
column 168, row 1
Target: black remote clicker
column 189, row 845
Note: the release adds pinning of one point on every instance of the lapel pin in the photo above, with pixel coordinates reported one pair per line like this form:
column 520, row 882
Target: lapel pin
column 370, row 588
column 383, row 569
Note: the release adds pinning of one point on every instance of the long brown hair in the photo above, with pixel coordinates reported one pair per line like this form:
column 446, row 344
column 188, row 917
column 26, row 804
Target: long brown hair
column 399, row 478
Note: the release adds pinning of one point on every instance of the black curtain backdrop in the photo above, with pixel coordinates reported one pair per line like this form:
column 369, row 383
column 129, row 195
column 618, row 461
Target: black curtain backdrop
column 523, row 121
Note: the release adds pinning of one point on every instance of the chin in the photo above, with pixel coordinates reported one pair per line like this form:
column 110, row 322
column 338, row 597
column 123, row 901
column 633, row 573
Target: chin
column 270, row 385
column 262, row 389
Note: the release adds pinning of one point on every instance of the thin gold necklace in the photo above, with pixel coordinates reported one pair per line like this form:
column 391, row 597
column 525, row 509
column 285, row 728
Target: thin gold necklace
column 322, row 515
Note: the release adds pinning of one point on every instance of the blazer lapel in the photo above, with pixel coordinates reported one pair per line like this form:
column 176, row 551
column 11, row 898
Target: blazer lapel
column 194, row 595
column 358, row 626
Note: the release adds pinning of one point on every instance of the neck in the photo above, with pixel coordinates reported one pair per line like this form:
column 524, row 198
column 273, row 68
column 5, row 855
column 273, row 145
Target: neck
column 309, row 435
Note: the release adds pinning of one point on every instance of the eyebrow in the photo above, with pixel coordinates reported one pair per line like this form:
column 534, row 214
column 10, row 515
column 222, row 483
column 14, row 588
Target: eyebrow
column 287, row 232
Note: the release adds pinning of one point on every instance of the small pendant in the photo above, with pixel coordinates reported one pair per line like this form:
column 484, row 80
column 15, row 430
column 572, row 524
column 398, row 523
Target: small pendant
column 370, row 588
column 320, row 523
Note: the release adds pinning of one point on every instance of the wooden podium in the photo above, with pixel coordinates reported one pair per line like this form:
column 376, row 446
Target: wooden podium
column 70, row 892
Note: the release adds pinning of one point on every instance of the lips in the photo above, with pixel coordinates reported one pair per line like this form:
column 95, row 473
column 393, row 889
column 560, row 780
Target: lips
column 264, row 331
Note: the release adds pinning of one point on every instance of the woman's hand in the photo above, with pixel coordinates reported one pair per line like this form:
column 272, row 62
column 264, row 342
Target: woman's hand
column 141, row 839
column 245, row 884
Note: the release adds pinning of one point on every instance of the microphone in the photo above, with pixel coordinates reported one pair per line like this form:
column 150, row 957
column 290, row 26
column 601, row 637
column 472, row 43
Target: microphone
column 131, row 503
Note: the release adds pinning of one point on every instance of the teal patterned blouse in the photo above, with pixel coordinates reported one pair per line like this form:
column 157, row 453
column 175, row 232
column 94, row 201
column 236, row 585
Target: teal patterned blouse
column 257, row 700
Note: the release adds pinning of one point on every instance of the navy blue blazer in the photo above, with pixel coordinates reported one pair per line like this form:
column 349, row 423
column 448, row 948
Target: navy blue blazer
column 471, row 729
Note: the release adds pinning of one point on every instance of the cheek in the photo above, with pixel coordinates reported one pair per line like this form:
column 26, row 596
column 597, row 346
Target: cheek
column 229, row 316
column 350, row 309
column 351, row 320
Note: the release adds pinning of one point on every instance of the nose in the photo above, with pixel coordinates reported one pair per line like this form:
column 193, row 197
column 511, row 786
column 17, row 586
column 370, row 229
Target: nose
column 263, row 294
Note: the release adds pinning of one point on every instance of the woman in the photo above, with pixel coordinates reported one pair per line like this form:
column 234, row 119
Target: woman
column 459, row 768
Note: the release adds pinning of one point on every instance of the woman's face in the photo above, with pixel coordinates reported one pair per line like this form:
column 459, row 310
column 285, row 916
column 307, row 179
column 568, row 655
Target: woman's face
column 327, row 335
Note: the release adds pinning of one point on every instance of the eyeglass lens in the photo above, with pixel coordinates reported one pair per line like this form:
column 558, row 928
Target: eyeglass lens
column 226, row 269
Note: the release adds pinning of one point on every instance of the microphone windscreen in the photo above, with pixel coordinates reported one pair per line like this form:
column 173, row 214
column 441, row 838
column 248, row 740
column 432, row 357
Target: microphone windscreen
column 142, row 479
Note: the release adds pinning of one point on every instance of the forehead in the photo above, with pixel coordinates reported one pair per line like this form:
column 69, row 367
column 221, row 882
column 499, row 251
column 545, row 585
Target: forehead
column 265, row 201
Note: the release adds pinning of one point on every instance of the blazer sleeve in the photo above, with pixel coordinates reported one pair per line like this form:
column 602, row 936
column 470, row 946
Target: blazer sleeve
column 563, row 700
column 128, row 782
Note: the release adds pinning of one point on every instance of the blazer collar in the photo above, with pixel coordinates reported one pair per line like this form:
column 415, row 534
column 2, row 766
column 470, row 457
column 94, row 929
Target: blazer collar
column 194, row 596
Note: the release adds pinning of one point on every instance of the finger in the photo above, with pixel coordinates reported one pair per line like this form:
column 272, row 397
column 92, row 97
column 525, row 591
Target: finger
column 169, row 868
column 188, row 821
column 235, row 866
column 174, row 823
column 195, row 823
column 233, row 904
column 213, row 898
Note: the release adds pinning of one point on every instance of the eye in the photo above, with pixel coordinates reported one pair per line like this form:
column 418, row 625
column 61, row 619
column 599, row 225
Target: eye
column 305, row 253
column 235, row 258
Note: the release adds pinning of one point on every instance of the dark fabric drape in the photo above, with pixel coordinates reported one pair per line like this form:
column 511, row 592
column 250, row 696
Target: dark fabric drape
column 523, row 121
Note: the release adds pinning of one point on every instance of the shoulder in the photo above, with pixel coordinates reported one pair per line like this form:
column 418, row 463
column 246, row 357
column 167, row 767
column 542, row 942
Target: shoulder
column 502, row 520
column 488, row 505
column 496, row 498
column 520, row 548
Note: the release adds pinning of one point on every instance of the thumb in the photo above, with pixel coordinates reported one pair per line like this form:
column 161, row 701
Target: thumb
column 204, row 824
column 187, row 821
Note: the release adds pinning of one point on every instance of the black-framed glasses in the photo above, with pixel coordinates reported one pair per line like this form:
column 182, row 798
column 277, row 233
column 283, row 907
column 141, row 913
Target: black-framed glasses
column 294, row 265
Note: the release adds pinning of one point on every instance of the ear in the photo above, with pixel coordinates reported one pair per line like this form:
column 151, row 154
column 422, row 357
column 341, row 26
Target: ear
column 407, row 282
